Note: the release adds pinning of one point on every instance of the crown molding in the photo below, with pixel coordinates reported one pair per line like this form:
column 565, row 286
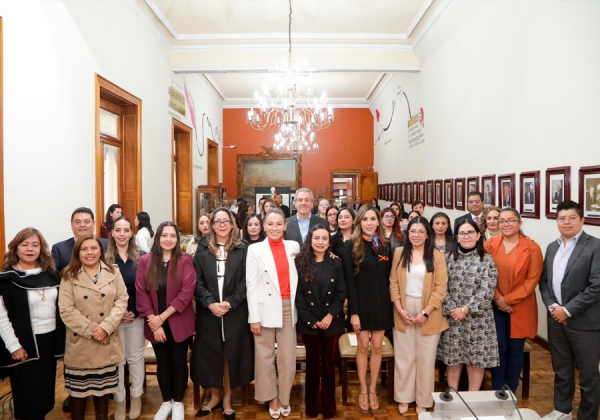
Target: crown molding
column 215, row 86
column 162, row 18
column 283, row 46
column 374, row 86
column 247, row 103
column 328, row 69
column 285, row 35
column 210, row 88
column 148, row 21
column 418, row 18
column 438, row 12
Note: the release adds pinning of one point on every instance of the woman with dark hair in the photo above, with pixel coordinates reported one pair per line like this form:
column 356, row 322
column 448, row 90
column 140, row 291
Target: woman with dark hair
column 32, row 332
column 320, row 302
column 367, row 266
column 440, row 224
column 144, row 235
column 165, row 283
column 252, row 231
column 412, row 214
column 392, row 229
column 203, row 230
column 418, row 286
column 92, row 301
column 223, row 353
column 124, row 253
column 345, row 223
column 398, row 208
column 488, row 224
column 520, row 262
column 375, row 203
column 331, row 215
column 113, row 213
column 242, row 213
column 471, row 337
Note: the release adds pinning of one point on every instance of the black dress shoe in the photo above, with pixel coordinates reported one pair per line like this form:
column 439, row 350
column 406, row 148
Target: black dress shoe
column 229, row 414
column 205, row 411
column 67, row 405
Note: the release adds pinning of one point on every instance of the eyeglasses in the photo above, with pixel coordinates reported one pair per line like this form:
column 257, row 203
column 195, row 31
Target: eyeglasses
column 508, row 222
column 389, row 216
column 466, row 234
column 474, row 201
column 417, row 232
column 86, row 222
column 218, row 222
column 332, row 215
column 323, row 205
column 564, row 219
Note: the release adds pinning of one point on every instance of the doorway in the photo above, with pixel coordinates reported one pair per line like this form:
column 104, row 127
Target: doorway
column 183, row 197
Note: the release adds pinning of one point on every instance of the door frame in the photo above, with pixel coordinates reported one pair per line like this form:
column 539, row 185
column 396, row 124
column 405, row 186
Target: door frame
column 177, row 125
column 350, row 171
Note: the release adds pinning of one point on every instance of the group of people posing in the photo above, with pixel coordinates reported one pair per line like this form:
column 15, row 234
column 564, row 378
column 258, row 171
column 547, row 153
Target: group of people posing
column 243, row 298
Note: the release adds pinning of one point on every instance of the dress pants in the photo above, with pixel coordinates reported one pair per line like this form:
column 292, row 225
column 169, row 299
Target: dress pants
column 319, row 394
column 171, row 367
column 265, row 384
column 414, row 356
column 511, row 354
column 132, row 337
column 568, row 346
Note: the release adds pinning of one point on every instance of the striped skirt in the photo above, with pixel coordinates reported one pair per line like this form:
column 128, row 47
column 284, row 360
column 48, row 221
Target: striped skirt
column 81, row 383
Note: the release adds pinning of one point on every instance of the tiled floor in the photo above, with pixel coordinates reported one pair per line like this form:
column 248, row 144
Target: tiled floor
column 540, row 399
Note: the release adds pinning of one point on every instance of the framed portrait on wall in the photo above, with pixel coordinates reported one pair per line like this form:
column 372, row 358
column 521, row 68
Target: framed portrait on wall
column 558, row 188
column 530, row 194
column 408, row 193
column 429, row 192
column 473, row 184
column 439, row 200
column 448, row 193
column 415, row 192
column 396, row 191
column 488, row 184
column 459, row 193
column 403, row 192
column 506, row 190
column 589, row 193
column 388, row 190
column 422, row 191
column 393, row 192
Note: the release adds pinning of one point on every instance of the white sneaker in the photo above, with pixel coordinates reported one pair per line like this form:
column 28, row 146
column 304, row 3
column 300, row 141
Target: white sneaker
column 178, row 411
column 164, row 411
column 557, row 415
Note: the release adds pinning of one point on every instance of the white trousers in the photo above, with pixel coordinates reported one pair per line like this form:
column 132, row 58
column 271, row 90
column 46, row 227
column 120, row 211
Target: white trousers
column 132, row 337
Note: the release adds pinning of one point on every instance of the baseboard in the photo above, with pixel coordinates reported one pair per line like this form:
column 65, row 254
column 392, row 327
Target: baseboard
column 542, row 342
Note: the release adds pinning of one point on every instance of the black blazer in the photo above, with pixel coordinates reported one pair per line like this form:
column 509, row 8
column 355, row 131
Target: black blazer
column 63, row 251
column 332, row 291
column 286, row 210
column 209, row 348
column 292, row 233
column 580, row 288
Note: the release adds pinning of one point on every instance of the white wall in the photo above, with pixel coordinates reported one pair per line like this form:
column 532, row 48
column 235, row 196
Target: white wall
column 52, row 50
column 507, row 87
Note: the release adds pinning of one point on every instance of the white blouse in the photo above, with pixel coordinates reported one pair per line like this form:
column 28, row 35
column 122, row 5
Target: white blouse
column 143, row 240
column 415, row 278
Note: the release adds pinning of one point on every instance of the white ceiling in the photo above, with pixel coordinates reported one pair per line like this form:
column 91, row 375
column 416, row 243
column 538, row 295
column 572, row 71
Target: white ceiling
column 350, row 45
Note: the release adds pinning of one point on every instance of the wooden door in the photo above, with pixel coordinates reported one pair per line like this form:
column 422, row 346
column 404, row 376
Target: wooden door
column 367, row 186
column 182, row 177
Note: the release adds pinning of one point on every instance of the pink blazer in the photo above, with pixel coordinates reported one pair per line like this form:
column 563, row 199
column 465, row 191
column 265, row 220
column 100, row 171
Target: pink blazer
column 179, row 296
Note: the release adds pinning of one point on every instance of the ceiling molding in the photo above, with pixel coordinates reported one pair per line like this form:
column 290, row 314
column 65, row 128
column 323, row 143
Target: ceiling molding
column 418, row 18
column 329, row 69
column 438, row 12
column 374, row 86
column 215, row 86
column 162, row 18
column 285, row 35
column 241, row 103
column 282, row 46
column 386, row 81
column 209, row 88
column 149, row 22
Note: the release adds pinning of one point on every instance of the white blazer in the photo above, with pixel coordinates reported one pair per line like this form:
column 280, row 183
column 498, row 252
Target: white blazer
column 262, row 284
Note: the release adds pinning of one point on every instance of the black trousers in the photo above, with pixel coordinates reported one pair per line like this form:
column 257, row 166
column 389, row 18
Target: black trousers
column 568, row 346
column 319, row 395
column 171, row 367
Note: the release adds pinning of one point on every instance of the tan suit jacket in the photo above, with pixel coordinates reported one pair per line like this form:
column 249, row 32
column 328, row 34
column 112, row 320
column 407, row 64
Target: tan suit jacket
column 434, row 292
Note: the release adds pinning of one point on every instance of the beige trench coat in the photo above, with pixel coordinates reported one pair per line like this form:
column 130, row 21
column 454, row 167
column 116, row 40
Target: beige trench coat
column 84, row 305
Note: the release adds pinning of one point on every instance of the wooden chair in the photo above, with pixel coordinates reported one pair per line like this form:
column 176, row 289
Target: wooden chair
column 348, row 355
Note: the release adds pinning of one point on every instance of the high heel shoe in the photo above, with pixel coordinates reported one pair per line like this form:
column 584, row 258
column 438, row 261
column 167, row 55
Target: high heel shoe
column 275, row 414
column 286, row 411
column 363, row 402
column 373, row 402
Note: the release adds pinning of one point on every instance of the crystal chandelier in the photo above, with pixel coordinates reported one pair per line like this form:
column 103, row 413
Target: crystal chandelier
column 286, row 100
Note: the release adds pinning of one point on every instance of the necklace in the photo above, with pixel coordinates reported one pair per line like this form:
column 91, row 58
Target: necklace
column 95, row 279
column 165, row 263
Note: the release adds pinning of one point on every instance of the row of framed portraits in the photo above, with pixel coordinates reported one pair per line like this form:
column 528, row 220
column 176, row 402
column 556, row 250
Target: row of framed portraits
column 501, row 191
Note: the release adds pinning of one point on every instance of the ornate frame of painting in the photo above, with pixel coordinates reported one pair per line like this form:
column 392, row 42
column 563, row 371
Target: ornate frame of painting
column 268, row 155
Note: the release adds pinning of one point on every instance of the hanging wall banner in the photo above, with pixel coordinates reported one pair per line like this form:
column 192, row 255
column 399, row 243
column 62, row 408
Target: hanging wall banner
column 416, row 129
column 176, row 100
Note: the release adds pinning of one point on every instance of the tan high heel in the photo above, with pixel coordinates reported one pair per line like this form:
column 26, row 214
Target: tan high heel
column 363, row 402
column 373, row 402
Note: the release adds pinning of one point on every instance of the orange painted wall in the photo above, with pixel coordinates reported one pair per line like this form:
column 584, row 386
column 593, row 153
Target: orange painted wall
column 347, row 143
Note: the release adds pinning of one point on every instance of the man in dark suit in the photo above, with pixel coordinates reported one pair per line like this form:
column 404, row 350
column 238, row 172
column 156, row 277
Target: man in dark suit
column 506, row 195
column 279, row 201
column 82, row 222
column 528, row 194
column 570, row 288
column 299, row 224
column 558, row 197
column 590, row 199
column 475, row 207
column 487, row 197
column 357, row 204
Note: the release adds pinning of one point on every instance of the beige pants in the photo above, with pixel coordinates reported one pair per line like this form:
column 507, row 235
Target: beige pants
column 265, row 385
column 414, row 355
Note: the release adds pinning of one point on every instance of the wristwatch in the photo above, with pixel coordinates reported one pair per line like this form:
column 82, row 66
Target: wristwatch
column 425, row 314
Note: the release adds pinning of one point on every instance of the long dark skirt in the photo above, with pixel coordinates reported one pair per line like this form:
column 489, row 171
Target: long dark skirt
column 33, row 382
